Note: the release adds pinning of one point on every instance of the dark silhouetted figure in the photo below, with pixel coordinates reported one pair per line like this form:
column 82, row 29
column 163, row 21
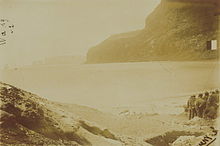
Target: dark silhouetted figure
column 191, row 107
column 200, row 105
column 212, row 105
column 205, row 98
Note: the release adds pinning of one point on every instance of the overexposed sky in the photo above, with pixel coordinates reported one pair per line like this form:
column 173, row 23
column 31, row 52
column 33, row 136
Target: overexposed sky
column 45, row 28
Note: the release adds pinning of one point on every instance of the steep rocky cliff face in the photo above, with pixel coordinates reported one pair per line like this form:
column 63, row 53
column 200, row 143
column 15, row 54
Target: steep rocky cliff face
column 175, row 30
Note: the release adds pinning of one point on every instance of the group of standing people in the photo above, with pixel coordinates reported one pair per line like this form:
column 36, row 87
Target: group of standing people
column 204, row 105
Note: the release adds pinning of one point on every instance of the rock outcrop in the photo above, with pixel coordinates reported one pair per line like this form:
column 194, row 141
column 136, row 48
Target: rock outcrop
column 175, row 30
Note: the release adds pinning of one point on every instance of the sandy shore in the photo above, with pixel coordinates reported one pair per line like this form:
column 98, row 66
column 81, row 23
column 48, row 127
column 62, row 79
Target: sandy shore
column 82, row 125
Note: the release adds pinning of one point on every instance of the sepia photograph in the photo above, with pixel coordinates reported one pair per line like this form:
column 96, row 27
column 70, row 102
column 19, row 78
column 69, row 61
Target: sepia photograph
column 109, row 72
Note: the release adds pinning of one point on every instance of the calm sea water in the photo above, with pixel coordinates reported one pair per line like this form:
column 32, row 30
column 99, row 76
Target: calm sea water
column 147, row 86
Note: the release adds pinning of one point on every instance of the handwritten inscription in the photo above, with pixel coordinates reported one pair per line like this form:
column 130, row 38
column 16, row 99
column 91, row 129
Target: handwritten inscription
column 209, row 138
column 6, row 29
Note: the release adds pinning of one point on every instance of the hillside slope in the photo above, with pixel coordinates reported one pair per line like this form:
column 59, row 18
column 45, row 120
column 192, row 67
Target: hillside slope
column 28, row 119
column 176, row 30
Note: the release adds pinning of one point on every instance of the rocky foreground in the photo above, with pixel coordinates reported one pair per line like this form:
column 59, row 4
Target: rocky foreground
column 27, row 119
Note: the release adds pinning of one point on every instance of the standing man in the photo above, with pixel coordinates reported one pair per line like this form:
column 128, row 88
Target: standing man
column 212, row 105
column 205, row 98
column 217, row 96
column 191, row 106
column 200, row 105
